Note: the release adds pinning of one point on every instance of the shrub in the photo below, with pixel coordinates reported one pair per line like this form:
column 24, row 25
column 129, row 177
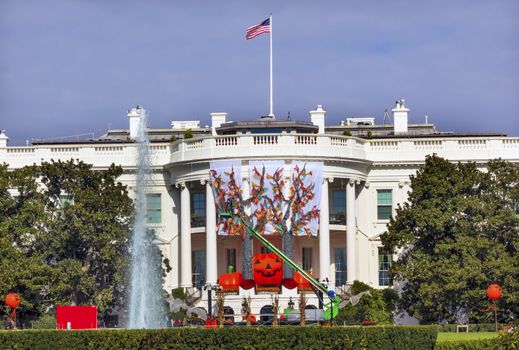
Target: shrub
column 179, row 293
column 377, row 307
column 507, row 341
column 45, row 321
column 376, row 337
column 346, row 133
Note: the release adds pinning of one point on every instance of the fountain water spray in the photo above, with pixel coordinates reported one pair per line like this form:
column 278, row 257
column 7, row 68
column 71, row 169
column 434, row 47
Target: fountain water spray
column 146, row 304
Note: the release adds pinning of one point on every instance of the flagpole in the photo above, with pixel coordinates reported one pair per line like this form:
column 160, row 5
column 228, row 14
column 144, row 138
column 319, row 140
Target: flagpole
column 271, row 114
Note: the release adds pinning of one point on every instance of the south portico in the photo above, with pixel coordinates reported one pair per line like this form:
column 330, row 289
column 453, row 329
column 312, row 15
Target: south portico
column 320, row 255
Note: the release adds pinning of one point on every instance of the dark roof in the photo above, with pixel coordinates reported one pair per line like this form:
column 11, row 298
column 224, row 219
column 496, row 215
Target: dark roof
column 266, row 123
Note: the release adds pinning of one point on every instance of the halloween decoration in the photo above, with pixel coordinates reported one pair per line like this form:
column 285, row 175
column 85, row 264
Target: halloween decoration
column 494, row 292
column 268, row 269
column 302, row 283
column 12, row 300
column 230, row 281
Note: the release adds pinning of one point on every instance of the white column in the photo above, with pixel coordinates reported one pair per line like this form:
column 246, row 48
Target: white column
column 324, row 234
column 351, row 233
column 186, row 280
column 210, row 236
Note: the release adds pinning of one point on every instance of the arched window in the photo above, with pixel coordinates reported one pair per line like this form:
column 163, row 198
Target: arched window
column 229, row 314
column 266, row 313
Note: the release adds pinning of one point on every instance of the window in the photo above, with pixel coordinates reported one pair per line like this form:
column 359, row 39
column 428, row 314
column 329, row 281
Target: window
column 339, row 255
column 231, row 259
column 198, row 209
column 265, row 250
column 385, row 259
column 198, row 268
column 307, row 259
column 384, row 204
column 153, row 209
column 338, row 208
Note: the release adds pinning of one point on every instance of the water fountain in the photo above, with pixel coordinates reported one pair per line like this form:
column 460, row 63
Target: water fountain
column 146, row 303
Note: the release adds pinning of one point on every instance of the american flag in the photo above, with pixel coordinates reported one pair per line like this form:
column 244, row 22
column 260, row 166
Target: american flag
column 254, row 31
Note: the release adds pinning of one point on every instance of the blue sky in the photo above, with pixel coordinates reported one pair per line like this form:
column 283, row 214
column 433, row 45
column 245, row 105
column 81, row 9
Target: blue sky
column 75, row 66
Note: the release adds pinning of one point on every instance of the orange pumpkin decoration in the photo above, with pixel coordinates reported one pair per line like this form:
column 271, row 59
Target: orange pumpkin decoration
column 12, row 300
column 230, row 281
column 268, row 269
column 494, row 292
column 302, row 283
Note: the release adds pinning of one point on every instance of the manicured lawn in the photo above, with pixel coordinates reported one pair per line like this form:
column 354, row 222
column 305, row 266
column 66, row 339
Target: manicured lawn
column 451, row 336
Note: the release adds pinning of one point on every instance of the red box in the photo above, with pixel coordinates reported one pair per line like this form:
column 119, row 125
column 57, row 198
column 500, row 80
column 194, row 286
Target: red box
column 80, row 317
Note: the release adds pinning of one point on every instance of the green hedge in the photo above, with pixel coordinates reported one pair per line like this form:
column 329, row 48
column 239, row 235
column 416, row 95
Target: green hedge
column 480, row 344
column 283, row 338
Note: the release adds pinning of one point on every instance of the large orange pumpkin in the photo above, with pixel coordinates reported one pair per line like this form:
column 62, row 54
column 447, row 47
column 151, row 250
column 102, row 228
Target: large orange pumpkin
column 12, row 300
column 494, row 292
column 268, row 269
column 230, row 280
column 302, row 283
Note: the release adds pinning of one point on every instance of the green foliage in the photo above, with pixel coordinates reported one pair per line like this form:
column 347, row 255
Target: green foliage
column 379, row 338
column 460, row 231
column 64, row 237
column 179, row 293
column 508, row 341
column 346, row 133
column 188, row 134
column 173, row 138
column 377, row 307
column 45, row 321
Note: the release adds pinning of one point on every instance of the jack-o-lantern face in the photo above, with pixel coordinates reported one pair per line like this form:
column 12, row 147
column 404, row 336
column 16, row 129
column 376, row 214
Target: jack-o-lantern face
column 268, row 269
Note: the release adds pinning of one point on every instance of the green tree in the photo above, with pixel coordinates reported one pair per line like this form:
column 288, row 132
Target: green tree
column 21, row 268
column 87, row 220
column 64, row 235
column 188, row 134
column 457, row 233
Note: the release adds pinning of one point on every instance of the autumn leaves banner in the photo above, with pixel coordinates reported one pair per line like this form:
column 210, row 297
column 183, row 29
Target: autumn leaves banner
column 283, row 199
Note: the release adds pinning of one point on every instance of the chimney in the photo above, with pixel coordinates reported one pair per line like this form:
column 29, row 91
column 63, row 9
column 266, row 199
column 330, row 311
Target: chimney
column 217, row 119
column 400, row 117
column 317, row 118
column 3, row 139
column 134, row 116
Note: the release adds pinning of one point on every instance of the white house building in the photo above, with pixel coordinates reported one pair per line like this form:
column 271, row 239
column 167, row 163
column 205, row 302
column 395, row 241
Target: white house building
column 366, row 174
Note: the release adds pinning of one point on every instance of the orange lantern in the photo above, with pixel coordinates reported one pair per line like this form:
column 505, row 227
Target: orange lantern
column 12, row 300
column 494, row 292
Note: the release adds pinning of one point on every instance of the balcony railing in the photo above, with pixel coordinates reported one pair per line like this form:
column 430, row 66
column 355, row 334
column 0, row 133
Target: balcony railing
column 335, row 147
column 270, row 146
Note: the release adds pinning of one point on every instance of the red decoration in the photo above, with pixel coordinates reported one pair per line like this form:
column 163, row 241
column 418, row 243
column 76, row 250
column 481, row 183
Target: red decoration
column 289, row 283
column 494, row 292
column 76, row 317
column 302, row 283
column 211, row 322
column 230, row 281
column 12, row 300
column 268, row 269
column 247, row 284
